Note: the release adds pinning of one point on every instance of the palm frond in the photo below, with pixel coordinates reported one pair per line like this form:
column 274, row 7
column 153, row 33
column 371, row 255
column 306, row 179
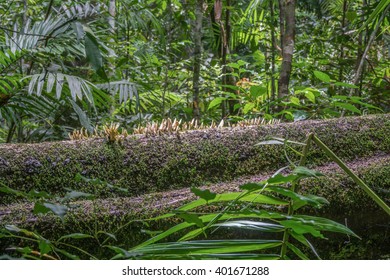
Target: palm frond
column 78, row 87
column 127, row 90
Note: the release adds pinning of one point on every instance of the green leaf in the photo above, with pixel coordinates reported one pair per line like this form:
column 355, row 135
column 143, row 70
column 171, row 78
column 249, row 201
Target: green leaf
column 92, row 52
column 348, row 107
column 270, row 142
column 298, row 199
column 299, row 115
column 281, row 179
column 227, row 197
column 6, row 189
column 306, row 173
column 67, row 254
column 44, row 247
column 309, row 95
column 248, row 107
column 108, row 234
column 57, row 209
column 252, row 186
column 191, row 218
column 205, row 194
column 40, row 209
column 76, row 194
column 322, row 76
column 324, row 224
column 208, row 247
column 295, row 100
column 251, row 225
column 297, row 251
column 38, row 194
column 301, row 228
column 12, row 228
column 257, row 91
column 302, row 239
column 75, row 236
column 341, row 84
column 216, row 102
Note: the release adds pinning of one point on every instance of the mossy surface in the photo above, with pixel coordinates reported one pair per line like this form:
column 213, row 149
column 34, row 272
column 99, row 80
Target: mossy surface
column 143, row 165
column 123, row 216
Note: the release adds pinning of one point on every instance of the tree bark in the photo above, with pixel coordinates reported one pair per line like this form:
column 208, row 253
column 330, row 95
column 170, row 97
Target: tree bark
column 197, row 33
column 287, row 38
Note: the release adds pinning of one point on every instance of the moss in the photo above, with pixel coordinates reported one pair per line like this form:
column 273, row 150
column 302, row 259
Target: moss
column 347, row 202
column 144, row 165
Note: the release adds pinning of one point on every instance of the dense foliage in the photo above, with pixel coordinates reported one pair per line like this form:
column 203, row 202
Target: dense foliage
column 72, row 64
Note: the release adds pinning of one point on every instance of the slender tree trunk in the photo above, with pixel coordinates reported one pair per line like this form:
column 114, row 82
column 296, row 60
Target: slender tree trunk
column 287, row 36
column 197, row 56
column 273, row 47
column 111, row 54
column 342, row 54
column 112, row 28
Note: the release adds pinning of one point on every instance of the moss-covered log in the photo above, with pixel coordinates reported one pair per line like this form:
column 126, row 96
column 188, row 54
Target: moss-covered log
column 144, row 165
column 347, row 203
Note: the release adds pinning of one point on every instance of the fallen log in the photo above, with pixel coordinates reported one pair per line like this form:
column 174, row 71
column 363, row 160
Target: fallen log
column 122, row 216
column 148, row 164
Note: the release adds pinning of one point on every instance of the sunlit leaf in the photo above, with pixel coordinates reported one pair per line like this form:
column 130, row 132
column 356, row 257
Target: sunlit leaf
column 205, row 194
column 322, row 76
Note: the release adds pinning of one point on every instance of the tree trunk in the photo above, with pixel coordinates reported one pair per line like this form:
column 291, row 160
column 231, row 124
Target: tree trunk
column 112, row 28
column 287, row 37
column 197, row 33
column 273, row 54
column 142, row 165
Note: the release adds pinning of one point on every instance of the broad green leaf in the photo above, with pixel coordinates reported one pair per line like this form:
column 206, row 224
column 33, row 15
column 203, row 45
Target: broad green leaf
column 348, row 107
column 306, row 173
column 322, row 76
column 39, row 208
column 309, row 95
column 324, row 224
column 59, row 210
column 252, row 186
column 248, row 107
column 92, row 52
column 76, row 194
column 299, row 200
column 281, row 179
column 341, row 84
column 295, row 100
column 257, row 91
column 44, row 247
column 299, row 115
column 301, row 228
column 216, row 102
column 205, row 194
column 234, row 65
column 191, row 218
